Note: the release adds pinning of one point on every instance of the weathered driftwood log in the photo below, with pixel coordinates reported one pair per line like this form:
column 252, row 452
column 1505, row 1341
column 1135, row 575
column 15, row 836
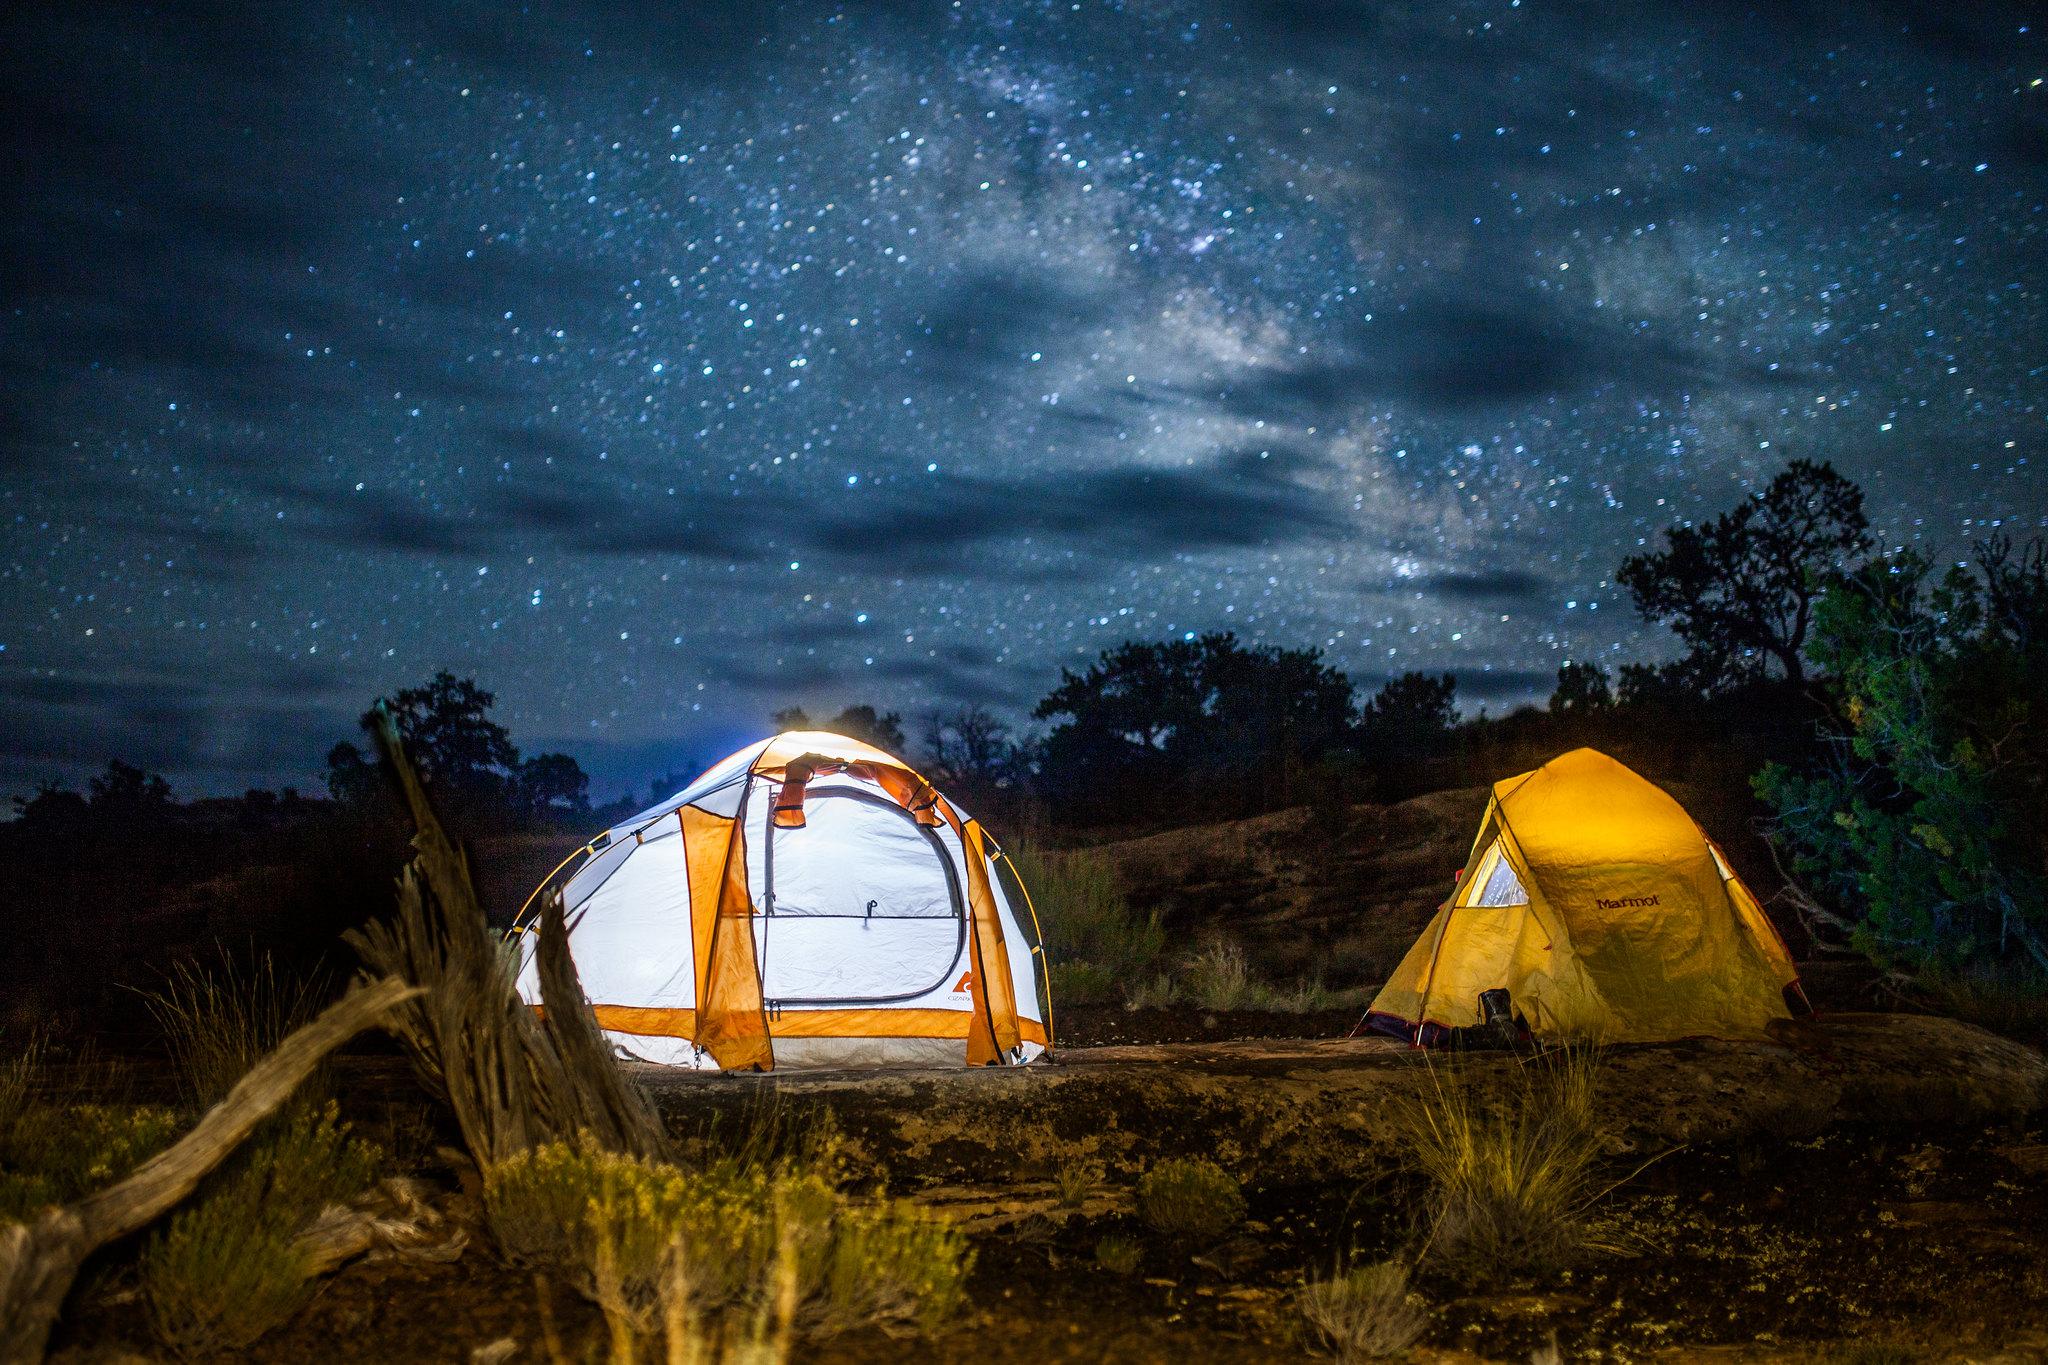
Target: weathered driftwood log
column 40, row 1259
column 513, row 1079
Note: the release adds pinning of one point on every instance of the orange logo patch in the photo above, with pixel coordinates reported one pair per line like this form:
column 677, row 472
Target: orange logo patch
column 965, row 985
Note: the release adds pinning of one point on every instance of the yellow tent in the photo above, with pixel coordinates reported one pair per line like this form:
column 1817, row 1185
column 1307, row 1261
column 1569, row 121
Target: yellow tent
column 1603, row 910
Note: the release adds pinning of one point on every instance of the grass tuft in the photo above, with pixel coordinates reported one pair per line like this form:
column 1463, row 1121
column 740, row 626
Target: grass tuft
column 220, row 1018
column 1096, row 944
column 1219, row 978
column 1190, row 1199
column 1118, row 1255
column 230, row 1266
column 1363, row 1312
column 1076, row 1181
column 1512, row 1177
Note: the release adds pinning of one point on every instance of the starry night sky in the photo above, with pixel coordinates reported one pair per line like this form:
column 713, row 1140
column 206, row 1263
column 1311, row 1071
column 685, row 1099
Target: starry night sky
column 661, row 369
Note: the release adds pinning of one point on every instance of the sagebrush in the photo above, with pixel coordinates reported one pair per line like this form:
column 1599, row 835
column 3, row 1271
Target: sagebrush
column 1190, row 1198
column 230, row 1266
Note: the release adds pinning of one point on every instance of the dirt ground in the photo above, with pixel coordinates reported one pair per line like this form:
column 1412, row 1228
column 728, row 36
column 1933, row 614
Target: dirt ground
column 1879, row 1179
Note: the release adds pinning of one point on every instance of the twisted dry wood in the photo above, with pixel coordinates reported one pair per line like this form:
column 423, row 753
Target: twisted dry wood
column 39, row 1259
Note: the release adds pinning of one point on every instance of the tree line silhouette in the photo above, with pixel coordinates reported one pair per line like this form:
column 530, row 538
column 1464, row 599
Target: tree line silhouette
column 1851, row 682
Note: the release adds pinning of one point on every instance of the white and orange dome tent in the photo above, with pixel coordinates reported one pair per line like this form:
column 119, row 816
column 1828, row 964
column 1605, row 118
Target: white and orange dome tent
column 1602, row 911
column 810, row 901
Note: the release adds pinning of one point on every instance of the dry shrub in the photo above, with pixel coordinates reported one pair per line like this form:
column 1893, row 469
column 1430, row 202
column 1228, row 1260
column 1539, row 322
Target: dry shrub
column 218, row 1018
column 1219, row 978
column 1363, row 1312
column 20, row 1073
column 1075, row 1183
column 1512, row 1176
column 1118, row 1255
column 230, row 1266
column 1096, row 944
column 59, row 1153
column 1190, row 1199
column 631, row 1233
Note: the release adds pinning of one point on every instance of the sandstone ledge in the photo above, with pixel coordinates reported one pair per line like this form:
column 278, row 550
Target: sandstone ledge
column 1287, row 1112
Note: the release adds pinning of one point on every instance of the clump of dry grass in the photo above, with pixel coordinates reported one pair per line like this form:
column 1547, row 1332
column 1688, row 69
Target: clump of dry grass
column 219, row 1017
column 1191, row 1198
column 1512, row 1176
column 1219, row 978
column 1075, row 1182
column 1096, row 944
column 1118, row 1255
column 1363, row 1312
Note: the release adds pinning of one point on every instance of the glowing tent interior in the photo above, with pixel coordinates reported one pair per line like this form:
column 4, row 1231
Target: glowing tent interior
column 809, row 901
column 1602, row 911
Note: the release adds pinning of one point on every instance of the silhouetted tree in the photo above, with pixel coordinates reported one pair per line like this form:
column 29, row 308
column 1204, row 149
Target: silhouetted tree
column 351, row 777
column 1581, row 688
column 127, row 790
column 970, row 747
column 552, row 785
column 1740, row 590
column 1411, row 712
column 1146, row 720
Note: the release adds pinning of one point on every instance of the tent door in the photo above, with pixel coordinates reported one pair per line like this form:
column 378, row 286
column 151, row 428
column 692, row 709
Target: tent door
column 860, row 905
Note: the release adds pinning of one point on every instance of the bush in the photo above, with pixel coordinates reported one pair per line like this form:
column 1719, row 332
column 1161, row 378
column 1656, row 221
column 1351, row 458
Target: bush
column 230, row 1266
column 220, row 1019
column 1088, row 924
column 1190, row 1199
column 1364, row 1312
column 632, row 1233
column 1510, row 1181
column 1118, row 1255
column 1083, row 983
column 1219, row 978
column 1076, row 1182
column 1921, row 835
column 58, row 1153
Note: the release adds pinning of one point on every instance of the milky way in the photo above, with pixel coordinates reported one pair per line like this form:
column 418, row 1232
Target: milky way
column 661, row 371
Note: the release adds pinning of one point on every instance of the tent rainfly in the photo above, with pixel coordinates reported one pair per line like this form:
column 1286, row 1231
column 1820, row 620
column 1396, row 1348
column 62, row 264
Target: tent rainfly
column 1603, row 911
column 810, row 901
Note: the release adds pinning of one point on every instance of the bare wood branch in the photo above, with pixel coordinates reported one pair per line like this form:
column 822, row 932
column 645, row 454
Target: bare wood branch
column 39, row 1260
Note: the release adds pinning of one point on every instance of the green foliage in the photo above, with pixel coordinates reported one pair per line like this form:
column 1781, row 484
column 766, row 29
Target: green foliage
column 1096, row 944
column 1511, row 1176
column 219, row 1019
column 1190, row 1199
column 1076, row 1182
column 57, row 1153
column 1118, row 1255
column 1363, row 1312
column 1925, row 828
column 633, row 1233
column 229, row 1266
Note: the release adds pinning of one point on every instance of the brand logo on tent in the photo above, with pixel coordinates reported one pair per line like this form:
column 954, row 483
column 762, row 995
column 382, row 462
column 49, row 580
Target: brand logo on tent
column 1625, row 902
column 965, row 985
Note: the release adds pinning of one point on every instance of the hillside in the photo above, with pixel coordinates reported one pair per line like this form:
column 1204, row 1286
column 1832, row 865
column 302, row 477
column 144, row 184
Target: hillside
column 1341, row 893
